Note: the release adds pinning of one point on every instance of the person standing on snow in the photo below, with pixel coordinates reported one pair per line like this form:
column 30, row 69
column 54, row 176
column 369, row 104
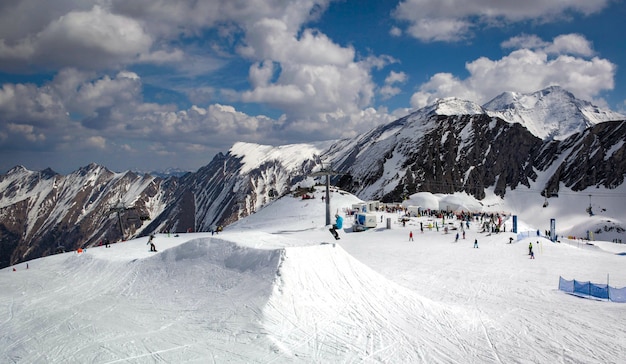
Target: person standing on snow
column 456, row 238
column 475, row 243
column 530, row 248
column 152, row 246
column 410, row 235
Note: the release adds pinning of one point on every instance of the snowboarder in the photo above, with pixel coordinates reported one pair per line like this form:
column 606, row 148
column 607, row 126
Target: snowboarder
column 475, row 243
column 410, row 235
column 152, row 246
column 338, row 225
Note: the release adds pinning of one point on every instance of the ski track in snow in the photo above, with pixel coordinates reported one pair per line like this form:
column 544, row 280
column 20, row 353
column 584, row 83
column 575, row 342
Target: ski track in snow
column 286, row 293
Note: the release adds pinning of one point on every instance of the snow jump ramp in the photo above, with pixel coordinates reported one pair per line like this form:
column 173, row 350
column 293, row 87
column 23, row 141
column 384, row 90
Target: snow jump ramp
column 212, row 298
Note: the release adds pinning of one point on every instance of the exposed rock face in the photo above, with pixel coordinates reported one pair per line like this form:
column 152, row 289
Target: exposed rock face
column 469, row 153
column 595, row 157
column 49, row 212
column 440, row 154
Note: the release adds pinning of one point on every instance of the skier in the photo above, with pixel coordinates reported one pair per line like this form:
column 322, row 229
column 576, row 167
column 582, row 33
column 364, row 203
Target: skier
column 456, row 238
column 152, row 246
column 510, row 240
column 530, row 248
column 475, row 243
column 410, row 235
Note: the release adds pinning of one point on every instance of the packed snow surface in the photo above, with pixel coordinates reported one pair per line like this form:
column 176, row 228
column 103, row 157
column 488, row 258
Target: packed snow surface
column 277, row 287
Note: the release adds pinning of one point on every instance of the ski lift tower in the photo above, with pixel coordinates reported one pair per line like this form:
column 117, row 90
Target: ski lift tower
column 327, row 172
column 119, row 209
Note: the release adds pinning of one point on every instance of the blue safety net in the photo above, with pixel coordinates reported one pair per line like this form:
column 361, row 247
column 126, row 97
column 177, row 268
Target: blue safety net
column 601, row 291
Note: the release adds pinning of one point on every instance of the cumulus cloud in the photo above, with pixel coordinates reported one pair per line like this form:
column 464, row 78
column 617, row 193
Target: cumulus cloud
column 298, row 70
column 293, row 68
column 453, row 20
column 396, row 77
column 574, row 44
column 88, row 39
column 389, row 90
column 525, row 70
column 304, row 73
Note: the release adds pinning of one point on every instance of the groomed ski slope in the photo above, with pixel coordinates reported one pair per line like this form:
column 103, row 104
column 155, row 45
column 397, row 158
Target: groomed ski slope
column 276, row 287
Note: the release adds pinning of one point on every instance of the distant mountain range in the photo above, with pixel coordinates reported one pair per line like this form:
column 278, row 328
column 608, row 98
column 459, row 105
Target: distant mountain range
column 450, row 146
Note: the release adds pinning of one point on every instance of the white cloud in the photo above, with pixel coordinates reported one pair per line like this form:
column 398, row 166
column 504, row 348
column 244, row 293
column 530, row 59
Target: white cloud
column 395, row 31
column 452, row 20
column 95, row 142
column 28, row 104
column 388, row 90
column 27, row 131
column 304, row 73
column 525, row 70
column 396, row 77
column 571, row 44
column 293, row 68
column 261, row 73
column 87, row 39
column 439, row 29
column 529, row 41
column 162, row 56
column 271, row 39
column 574, row 44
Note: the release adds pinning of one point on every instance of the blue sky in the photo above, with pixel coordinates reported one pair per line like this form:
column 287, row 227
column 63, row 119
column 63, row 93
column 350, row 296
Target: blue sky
column 148, row 85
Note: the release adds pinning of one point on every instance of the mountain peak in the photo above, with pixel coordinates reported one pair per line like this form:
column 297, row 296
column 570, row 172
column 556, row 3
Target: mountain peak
column 17, row 170
column 450, row 106
column 551, row 113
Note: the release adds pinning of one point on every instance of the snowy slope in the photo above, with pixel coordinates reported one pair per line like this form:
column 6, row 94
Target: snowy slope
column 275, row 287
column 291, row 156
column 450, row 106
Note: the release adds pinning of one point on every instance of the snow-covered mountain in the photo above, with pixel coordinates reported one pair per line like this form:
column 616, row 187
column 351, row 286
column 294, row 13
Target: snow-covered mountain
column 552, row 113
column 45, row 212
column 450, row 146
